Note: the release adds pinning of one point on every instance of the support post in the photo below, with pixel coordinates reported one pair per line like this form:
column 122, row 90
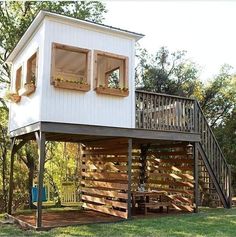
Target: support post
column 230, row 187
column 143, row 161
column 196, row 122
column 40, row 137
column 196, row 185
column 10, row 194
column 129, row 175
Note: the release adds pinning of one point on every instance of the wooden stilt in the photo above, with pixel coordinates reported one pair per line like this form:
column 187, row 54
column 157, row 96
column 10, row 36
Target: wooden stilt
column 143, row 160
column 129, row 175
column 40, row 137
column 14, row 149
column 9, row 208
column 196, row 191
column 230, row 187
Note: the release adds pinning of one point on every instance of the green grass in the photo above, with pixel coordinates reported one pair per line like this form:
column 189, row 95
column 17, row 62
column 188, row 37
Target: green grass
column 208, row 222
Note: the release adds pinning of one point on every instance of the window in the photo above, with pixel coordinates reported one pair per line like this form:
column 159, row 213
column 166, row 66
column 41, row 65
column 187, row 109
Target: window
column 70, row 67
column 32, row 69
column 15, row 96
column 18, row 81
column 111, row 74
column 29, row 86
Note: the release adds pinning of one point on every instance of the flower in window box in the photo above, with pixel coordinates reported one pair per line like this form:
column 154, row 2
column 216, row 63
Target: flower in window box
column 13, row 97
column 28, row 88
column 33, row 78
column 58, row 79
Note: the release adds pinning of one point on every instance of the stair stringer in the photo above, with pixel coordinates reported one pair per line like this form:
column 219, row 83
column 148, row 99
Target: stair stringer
column 211, row 173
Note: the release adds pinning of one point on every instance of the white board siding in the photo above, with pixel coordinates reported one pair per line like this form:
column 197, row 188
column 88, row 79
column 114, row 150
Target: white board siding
column 67, row 106
column 48, row 103
column 27, row 111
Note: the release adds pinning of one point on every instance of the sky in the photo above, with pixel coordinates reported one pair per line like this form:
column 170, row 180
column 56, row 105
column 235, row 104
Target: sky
column 206, row 29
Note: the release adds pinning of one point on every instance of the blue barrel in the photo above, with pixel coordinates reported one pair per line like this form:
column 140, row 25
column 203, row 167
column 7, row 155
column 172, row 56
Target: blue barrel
column 34, row 193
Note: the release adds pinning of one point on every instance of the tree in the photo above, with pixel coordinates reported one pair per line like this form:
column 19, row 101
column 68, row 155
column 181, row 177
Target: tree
column 16, row 16
column 226, row 136
column 166, row 72
column 219, row 97
column 4, row 146
column 28, row 156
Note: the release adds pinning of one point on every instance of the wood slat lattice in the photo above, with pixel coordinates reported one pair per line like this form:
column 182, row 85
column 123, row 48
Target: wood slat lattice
column 105, row 178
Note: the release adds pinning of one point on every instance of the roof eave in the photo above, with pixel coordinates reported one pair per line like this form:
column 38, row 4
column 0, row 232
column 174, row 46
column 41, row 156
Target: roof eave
column 42, row 14
column 31, row 29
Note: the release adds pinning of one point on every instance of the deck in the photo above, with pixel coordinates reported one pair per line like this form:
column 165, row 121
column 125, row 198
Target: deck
column 53, row 219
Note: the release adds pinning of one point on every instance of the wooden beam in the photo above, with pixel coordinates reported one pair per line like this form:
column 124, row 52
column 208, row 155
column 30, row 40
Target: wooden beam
column 106, row 210
column 143, row 161
column 9, row 208
column 230, row 187
column 105, row 193
column 25, row 130
column 14, row 148
column 40, row 137
column 129, row 176
column 105, row 176
column 196, row 191
column 104, row 201
column 196, row 112
column 107, row 185
column 104, row 131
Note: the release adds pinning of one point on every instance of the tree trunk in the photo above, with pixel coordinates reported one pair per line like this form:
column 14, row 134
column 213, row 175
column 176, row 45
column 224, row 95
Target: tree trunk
column 30, row 163
column 30, row 184
column 4, row 169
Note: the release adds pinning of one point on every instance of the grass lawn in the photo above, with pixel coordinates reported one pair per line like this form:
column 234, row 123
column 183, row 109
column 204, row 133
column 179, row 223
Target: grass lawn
column 208, row 222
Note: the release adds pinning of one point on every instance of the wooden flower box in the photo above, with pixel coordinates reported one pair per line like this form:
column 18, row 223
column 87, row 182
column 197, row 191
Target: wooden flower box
column 71, row 85
column 112, row 91
column 13, row 97
column 27, row 89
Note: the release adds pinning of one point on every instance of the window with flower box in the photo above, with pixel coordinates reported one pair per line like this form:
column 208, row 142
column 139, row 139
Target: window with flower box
column 14, row 96
column 70, row 67
column 111, row 74
column 30, row 85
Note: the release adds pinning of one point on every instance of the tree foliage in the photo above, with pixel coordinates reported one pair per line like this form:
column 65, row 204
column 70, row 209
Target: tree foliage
column 219, row 97
column 166, row 72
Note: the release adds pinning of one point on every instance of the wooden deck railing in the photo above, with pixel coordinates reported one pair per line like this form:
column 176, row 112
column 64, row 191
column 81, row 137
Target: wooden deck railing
column 172, row 113
column 164, row 112
column 214, row 154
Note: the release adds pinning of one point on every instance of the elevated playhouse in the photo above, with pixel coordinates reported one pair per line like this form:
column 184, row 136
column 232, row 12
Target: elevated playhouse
column 74, row 81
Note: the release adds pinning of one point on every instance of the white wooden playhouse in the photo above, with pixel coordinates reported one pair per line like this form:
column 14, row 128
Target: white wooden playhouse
column 74, row 81
column 71, row 71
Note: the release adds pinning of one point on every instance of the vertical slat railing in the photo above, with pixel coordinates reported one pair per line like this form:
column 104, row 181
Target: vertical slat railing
column 164, row 112
column 213, row 153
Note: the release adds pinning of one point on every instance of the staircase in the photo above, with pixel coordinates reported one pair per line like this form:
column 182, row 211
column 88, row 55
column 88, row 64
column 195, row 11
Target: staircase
column 213, row 158
column 177, row 114
column 207, row 193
